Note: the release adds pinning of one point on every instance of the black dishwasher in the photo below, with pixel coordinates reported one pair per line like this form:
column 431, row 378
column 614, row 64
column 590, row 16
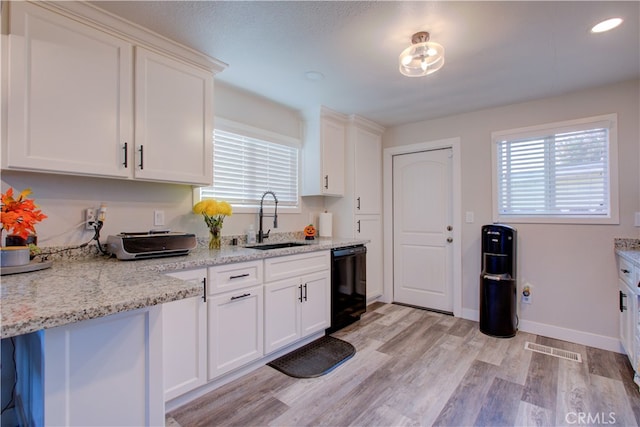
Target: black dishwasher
column 348, row 285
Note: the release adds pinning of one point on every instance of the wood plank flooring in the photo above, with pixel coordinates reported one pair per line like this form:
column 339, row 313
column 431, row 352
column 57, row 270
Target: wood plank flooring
column 420, row 368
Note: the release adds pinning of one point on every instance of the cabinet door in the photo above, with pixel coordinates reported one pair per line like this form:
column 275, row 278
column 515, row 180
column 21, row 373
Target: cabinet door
column 315, row 308
column 626, row 323
column 184, row 340
column 235, row 329
column 281, row 313
column 368, row 172
column 332, row 136
column 69, row 103
column 370, row 227
column 106, row 370
column 174, row 120
column 184, row 345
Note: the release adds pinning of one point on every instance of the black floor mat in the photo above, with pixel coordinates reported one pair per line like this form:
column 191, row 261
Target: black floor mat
column 317, row 358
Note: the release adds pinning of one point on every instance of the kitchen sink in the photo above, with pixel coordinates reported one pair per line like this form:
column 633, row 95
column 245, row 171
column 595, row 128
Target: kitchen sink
column 276, row 245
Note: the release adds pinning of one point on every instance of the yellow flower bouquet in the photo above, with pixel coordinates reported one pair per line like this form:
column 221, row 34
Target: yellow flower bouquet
column 213, row 212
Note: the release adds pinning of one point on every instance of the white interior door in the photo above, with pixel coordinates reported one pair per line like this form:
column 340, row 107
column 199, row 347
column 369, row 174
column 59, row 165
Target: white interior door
column 422, row 229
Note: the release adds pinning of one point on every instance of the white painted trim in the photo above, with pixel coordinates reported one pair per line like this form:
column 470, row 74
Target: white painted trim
column 609, row 121
column 96, row 17
column 557, row 332
column 454, row 144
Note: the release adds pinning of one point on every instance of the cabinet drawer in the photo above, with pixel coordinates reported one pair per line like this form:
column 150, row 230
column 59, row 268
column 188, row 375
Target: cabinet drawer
column 230, row 277
column 296, row 265
column 627, row 272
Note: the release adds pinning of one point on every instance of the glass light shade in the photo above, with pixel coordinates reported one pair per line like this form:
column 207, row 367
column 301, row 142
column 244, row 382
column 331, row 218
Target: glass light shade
column 421, row 59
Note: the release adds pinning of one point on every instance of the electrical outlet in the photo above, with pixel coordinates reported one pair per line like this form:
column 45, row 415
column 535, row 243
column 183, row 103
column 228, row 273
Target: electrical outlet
column 102, row 213
column 89, row 218
column 526, row 295
column 158, row 217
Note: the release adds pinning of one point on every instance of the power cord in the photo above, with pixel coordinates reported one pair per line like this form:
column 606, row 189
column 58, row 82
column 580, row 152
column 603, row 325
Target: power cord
column 97, row 227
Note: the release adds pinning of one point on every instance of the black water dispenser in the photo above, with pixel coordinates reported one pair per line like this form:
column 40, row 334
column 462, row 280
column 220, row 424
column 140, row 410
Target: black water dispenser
column 498, row 316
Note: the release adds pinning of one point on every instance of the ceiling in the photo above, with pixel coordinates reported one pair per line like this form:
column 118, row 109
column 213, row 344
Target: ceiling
column 496, row 53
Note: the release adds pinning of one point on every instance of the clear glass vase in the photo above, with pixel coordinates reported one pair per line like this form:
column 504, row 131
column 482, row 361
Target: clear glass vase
column 214, row 237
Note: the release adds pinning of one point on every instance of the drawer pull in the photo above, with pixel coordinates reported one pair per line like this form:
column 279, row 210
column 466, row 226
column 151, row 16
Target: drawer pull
column 125, row 163
column 305, row 291
column 204, row 285
column 239, row 276
column 240, row 296
column 300, row 289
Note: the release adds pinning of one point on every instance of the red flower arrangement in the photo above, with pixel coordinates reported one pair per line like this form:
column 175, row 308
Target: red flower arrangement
column 19, row 216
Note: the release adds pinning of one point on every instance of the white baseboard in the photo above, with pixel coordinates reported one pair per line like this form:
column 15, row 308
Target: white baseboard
column 558, row 332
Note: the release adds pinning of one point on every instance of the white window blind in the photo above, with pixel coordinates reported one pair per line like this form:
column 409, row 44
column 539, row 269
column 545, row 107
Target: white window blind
column 245, row 167
column 564, row 173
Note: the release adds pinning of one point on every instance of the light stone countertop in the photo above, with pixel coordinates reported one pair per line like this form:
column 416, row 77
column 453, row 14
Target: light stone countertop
column 76, row 290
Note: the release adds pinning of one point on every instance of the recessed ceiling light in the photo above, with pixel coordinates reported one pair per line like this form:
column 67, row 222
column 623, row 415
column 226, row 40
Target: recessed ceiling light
column 314, row 76
column 606, row 25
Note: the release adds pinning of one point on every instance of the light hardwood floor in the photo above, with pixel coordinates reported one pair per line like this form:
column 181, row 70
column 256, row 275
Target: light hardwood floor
column 415, row 367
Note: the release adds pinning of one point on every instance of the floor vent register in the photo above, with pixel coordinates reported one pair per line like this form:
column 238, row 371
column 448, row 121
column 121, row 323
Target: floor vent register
column 552, row 351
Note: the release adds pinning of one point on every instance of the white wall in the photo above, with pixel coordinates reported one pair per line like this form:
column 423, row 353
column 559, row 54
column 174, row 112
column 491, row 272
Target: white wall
column 131, row 204
column 571, row 268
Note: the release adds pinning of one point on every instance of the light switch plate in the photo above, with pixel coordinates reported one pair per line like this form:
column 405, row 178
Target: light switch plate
column 469, row 217
column 158, row 217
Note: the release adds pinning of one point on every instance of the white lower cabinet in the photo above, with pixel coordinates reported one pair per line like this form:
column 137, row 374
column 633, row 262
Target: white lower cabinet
column 184, row 344
column 628, row 283
column 105, row 371
column 300, row 305
column 235, row 329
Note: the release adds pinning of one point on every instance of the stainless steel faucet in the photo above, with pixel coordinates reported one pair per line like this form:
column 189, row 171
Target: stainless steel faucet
column 261, row 234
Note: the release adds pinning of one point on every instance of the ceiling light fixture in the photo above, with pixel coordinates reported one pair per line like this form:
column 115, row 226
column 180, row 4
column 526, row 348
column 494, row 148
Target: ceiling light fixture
column 606, row 25
column 422, row 57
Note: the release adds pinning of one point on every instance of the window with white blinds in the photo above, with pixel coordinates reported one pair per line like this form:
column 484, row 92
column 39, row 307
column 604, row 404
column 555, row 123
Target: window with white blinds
column 245, row 167
column 563, row 171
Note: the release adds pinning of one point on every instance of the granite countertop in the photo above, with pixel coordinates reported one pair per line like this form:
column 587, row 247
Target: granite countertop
column 75, row 290
column 628, row 249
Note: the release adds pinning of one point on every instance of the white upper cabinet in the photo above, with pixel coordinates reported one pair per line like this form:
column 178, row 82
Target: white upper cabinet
column 72, row 89
column 323, row 154
column 70, row 96
column 368, row 170
column 174, row 120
